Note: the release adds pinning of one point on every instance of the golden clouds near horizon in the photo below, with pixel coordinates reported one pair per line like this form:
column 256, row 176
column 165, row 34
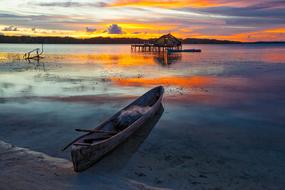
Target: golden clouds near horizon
column 129, row 31
column 173, row 3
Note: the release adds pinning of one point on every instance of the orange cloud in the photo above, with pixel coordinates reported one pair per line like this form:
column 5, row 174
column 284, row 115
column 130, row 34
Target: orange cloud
column 173, row 3
column 276, row 30
column 274, row 34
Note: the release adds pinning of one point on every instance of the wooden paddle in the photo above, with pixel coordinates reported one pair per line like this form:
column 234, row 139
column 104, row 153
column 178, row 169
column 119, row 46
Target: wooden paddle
column 89, row 131
column 95, row 131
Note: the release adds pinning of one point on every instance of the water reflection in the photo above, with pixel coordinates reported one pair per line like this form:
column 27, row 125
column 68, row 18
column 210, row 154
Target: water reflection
column 10, row 57
column 73, row 70
column 122, row 60
column 37, row 64
column 165, row 59
column 178, row 81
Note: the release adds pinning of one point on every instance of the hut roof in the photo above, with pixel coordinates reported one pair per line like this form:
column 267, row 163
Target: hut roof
column 167, row 40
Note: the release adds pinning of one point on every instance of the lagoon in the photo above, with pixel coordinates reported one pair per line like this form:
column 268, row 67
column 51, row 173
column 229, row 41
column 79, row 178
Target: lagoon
column 223, row 121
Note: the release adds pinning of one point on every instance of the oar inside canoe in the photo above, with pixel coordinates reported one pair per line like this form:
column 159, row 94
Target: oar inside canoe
column 95, row 131
column 107, row 133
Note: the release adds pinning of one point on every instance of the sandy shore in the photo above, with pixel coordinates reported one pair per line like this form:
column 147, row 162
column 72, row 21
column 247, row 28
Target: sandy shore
column 25, row 169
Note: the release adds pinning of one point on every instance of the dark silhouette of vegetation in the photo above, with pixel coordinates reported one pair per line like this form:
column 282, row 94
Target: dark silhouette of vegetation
column 67, row 40
column 106, row 40
column 208, row 41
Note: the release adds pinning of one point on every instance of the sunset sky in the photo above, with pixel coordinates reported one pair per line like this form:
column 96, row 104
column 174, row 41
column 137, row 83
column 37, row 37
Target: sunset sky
column 243, row 20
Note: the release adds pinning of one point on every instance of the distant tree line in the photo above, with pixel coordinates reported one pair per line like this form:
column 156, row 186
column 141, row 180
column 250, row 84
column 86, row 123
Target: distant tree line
column 104, row 40
column 208, row 41
column 67, row 40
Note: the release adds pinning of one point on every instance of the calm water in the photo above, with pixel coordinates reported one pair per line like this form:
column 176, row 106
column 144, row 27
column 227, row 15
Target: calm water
column 221, row 76
column 69, row 70
column 228, row 100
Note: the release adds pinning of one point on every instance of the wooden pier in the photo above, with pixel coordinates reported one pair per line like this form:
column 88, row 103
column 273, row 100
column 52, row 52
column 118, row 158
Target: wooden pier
column 152, row 48
column 162, row 44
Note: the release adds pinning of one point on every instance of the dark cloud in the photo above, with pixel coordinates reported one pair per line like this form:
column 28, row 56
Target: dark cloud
column 10, row 28
column 52, row 22
column 114, row 29
column 90, row 29
column 261, row 10
column 72, row 4
column 3, row 15
column 270, row 4
column 228, row 20
column 248, row 12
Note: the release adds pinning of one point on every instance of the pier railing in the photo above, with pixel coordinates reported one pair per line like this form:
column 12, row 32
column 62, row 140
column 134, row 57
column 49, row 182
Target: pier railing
column 153, row 48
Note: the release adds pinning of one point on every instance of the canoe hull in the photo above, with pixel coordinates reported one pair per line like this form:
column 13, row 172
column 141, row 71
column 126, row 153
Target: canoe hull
column 85, row 157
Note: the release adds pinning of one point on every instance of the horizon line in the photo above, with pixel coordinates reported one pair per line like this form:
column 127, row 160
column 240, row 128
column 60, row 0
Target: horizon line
column 137, row 38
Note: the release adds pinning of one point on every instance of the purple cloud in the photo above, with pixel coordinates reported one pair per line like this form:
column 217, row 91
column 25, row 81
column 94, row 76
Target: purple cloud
column 114, row 29
column 69, row 4
column 10, row 28
column 90, row 29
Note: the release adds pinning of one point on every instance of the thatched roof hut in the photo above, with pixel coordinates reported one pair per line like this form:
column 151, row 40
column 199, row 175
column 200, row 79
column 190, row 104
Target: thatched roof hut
column 167, row 40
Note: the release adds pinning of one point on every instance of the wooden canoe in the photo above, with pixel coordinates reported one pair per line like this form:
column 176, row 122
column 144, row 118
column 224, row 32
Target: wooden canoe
column 86, row 152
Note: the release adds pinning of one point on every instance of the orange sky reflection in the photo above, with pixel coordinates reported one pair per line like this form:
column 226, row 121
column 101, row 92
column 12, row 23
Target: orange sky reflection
column 178, row 81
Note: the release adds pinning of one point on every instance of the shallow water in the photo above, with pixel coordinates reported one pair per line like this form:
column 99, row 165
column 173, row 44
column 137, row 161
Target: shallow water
column 228, row 101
